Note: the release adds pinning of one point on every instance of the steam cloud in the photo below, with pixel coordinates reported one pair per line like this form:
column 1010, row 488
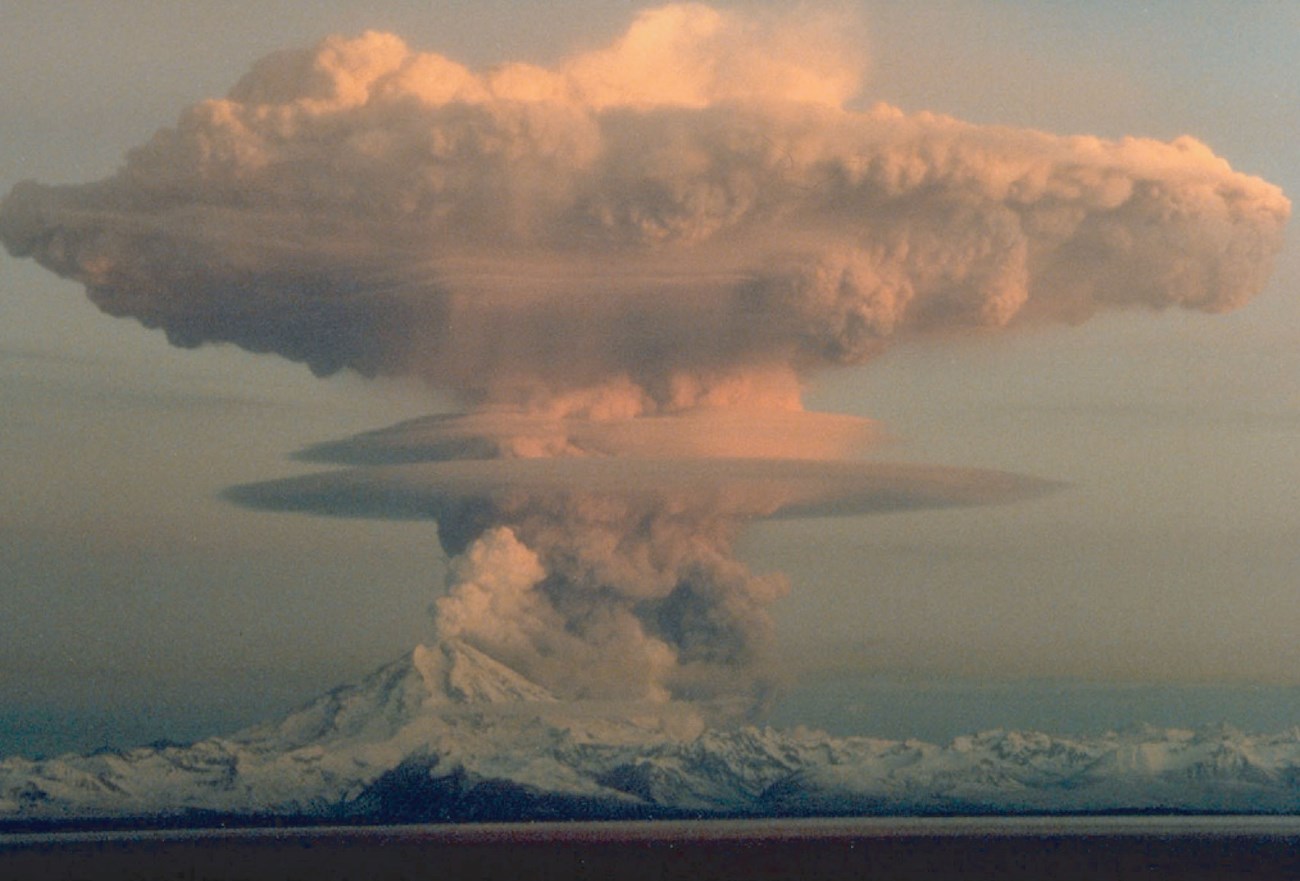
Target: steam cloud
column 689, row 221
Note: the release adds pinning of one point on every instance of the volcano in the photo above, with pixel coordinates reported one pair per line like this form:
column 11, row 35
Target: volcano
column 449, row 734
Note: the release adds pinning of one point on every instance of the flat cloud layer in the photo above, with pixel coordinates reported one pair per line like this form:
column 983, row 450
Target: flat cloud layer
column 689, row 216
column 735, row 432
column 743, row 489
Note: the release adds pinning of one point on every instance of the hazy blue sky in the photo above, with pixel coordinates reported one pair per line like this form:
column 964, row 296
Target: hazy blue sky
column 135, row 602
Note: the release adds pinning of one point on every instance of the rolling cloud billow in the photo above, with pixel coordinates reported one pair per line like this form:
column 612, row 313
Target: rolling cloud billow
column 673, row 220
column 641, row 254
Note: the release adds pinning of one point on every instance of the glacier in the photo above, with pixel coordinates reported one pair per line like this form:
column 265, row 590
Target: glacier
column 448, row 734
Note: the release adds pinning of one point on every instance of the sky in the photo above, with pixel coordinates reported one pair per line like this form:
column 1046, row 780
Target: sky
column 139, row 603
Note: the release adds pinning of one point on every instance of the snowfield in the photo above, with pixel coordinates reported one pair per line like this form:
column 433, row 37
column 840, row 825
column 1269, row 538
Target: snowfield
column 450, row 734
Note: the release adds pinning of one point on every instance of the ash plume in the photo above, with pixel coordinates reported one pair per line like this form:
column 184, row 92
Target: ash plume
column 614, row 576
column 638, row 257
column 688, row 217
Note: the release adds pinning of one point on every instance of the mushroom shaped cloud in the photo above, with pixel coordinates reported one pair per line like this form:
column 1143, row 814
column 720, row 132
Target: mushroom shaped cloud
column 626, row 267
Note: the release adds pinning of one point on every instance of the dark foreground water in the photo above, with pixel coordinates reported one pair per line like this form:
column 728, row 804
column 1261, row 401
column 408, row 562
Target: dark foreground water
column 1002, row 848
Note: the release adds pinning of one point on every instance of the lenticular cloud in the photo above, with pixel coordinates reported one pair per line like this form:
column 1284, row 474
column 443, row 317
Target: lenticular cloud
column 626, row 266
column 689, row 216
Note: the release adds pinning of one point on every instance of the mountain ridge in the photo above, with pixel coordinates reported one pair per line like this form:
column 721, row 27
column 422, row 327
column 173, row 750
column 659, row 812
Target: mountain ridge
column 449, row 733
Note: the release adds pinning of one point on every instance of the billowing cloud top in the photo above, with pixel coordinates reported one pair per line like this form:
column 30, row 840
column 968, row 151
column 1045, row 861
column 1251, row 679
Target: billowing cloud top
column 689, row 216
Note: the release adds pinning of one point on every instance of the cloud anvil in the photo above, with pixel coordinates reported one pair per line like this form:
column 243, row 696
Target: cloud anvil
column 604, row 235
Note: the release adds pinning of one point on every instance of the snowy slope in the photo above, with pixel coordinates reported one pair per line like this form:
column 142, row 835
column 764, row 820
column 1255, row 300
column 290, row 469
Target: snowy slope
column 450, row 733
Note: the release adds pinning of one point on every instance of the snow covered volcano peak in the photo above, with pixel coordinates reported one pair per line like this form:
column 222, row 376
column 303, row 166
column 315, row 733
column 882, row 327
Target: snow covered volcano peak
column 400, row 700
column 454, row 671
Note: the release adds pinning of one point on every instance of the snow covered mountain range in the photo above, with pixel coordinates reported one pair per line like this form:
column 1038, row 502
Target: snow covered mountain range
column 448, row 733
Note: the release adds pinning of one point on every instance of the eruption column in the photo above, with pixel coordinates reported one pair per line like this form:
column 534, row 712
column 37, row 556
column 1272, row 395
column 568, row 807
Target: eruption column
column 638, row 259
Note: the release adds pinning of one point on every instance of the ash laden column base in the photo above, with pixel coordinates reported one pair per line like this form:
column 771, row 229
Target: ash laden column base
column 615, row 577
